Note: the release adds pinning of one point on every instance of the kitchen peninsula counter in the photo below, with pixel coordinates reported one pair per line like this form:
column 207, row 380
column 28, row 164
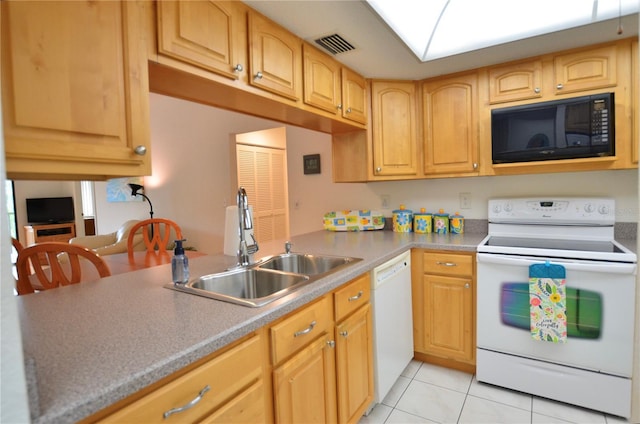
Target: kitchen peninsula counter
column 90, row 345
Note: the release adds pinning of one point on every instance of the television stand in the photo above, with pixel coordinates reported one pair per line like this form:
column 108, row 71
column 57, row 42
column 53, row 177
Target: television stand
column 39, row 233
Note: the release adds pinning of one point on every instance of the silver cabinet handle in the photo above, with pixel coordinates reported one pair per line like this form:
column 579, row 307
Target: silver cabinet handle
column 344, row 333
column 140, row 150
column 331, row 343
column 466, row 286
column 238, row 68
column 446, row 263
column 560, row 86
column 378, row 169
column 339, row 107
column 258, row 75
column 348, row 110
column 306, row 330
column 536, row 90
column 475, row 166
column 356, row 297
column 189, row 405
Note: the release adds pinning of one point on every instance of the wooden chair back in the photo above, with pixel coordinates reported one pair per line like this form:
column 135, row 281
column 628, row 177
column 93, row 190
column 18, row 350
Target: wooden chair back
column 55, row 270
column 156, row 233
column 17, row 245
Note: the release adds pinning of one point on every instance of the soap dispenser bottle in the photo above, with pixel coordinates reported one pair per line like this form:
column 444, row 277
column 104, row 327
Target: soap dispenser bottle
column 180, row 264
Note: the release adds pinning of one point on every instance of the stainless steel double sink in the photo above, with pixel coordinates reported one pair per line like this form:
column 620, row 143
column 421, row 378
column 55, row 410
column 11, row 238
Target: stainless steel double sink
column 266, row 280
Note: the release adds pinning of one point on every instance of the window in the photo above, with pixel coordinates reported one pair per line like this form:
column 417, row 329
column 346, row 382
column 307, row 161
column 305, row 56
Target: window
column 87, row 189
column 11, row 208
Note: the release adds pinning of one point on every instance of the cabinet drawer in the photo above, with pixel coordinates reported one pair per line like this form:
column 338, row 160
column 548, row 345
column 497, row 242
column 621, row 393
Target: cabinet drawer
column 354, row 295
column 300, row 329
column 448, row 264
column 226, row 376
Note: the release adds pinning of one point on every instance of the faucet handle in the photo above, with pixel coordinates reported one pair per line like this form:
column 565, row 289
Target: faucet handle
column 287, row 247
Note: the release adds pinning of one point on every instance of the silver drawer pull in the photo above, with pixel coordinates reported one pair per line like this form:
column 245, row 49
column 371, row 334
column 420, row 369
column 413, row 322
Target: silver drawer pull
column 189, row 405
column 446, row 263
column 356, row 297
column 306, row 330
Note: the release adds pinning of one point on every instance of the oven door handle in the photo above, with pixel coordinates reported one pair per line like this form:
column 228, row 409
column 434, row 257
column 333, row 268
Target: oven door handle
column 575, row 265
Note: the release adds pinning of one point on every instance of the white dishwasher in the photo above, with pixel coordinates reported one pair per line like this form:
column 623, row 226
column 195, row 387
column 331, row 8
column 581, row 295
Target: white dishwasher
column 392, row 322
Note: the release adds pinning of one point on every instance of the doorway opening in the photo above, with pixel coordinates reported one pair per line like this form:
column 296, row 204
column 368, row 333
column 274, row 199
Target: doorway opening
column 261, row 168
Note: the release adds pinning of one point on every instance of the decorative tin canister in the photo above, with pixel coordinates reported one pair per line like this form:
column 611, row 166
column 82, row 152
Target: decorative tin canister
column 422, row 222
column 402, row 220
column 457, row 224
column 441, row 222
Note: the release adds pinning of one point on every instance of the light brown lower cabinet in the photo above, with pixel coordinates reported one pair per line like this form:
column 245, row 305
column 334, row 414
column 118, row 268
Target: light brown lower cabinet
column 332, row 375
column 230, row 389
column 314, row 365
column 443, row 289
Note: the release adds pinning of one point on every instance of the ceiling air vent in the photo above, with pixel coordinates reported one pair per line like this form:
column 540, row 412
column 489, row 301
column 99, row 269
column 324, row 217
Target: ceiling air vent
column 335, row 44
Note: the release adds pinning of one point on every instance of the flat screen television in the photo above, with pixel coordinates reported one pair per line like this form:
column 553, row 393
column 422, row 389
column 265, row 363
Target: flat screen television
column 50, row 210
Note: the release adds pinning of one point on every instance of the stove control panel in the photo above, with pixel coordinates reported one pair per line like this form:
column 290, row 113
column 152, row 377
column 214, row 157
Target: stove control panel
column 554, row 211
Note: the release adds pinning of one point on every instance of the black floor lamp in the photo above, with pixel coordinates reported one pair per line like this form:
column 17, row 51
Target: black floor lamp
column 134, row 192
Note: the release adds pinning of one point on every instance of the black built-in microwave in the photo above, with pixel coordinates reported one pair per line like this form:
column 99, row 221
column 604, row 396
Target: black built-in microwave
column 579, row 127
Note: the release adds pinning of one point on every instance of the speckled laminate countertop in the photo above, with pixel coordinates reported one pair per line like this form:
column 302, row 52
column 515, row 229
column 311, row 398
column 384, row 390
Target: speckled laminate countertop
column 89, row 345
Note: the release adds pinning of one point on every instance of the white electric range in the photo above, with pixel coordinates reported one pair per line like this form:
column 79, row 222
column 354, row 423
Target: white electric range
column 592, row 365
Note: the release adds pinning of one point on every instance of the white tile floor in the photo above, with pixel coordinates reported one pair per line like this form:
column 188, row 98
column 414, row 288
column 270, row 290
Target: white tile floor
column 427, row 393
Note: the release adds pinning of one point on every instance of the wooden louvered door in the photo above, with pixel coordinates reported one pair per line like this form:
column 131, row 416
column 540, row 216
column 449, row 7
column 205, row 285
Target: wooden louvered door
column 263, row 173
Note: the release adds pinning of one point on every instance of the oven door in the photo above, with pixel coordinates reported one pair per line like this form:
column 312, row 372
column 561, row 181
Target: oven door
column 600, row 312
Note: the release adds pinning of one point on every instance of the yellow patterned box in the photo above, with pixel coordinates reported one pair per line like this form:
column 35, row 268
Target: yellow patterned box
column 353, row 220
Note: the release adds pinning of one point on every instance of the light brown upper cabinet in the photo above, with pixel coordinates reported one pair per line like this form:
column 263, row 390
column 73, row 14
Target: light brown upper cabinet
column 322, row 80
column 207, row 34
column 354, row 96
column 333, row 88
column 519, row 81
column 586, row 70
column 635, row 102
column 394, row 128
column 275, row 58
column 75, row 92
column 450, row 122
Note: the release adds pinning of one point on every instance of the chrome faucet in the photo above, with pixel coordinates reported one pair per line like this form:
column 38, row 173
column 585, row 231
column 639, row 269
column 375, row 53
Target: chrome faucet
column 244, row 223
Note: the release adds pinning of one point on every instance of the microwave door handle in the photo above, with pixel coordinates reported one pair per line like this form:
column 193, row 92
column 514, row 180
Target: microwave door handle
column 560, row 136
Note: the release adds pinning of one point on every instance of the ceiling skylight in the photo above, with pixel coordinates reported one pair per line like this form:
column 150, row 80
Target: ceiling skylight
column 433, row 29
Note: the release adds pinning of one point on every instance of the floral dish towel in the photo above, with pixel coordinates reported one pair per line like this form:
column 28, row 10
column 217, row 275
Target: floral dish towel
column 547, row 302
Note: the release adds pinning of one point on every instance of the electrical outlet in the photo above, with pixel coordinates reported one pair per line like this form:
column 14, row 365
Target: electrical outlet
column 465, row 200
column 385, row 201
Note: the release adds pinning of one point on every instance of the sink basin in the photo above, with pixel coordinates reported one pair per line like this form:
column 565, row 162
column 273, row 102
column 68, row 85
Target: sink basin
column 299, row 263
column 265, row 281
column 245, row 286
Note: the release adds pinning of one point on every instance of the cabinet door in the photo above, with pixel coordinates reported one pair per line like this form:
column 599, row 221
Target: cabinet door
column 275, row 57
column 354, row 362
column 246, row 407
column 354, row 96
column 75, row 91
column 515, row 82
column 448, row 317
column 394, row 128
column 304, row 386
column 635, row 102
column 321, row 80
column 231, row 380
column 204, row 34
column 586, row 70
column 451, row 125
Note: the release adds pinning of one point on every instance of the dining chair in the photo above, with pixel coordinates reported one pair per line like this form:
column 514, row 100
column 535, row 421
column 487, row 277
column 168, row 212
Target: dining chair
column 17, row 245
column 48, row 265
column 158, row 234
